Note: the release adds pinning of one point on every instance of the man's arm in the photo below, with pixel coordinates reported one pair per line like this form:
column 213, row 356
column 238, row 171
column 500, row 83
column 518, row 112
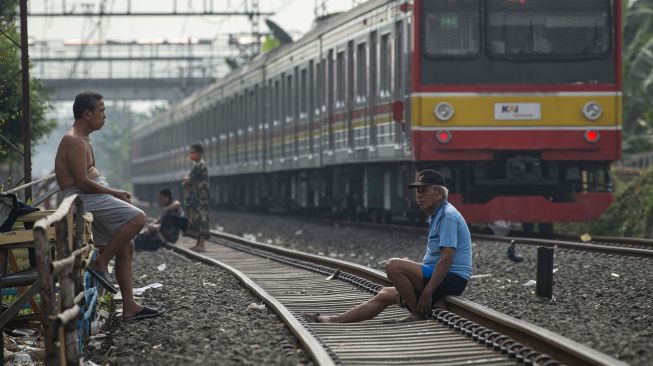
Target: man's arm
column 76, row 160
column 441, row 268
column 172, row 207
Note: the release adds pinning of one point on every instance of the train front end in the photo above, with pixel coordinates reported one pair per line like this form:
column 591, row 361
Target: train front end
column 518, row 103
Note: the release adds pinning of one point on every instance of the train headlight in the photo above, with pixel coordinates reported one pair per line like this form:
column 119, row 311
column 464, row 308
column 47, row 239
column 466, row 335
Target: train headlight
column 443, row 111
column 592, row 111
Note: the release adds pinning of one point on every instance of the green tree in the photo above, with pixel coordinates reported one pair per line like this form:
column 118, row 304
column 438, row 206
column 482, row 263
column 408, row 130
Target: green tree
column 10, row 92
column 638, row 76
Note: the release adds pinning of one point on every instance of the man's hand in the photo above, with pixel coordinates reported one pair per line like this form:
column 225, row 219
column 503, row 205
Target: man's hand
column 123, row 195
column 424, row 304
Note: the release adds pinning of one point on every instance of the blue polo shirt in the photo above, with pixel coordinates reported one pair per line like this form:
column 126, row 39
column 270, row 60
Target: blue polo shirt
column 447, row 228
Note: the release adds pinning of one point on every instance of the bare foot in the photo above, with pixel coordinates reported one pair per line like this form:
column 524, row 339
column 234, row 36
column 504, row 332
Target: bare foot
column 131, row 311
column 198, row 249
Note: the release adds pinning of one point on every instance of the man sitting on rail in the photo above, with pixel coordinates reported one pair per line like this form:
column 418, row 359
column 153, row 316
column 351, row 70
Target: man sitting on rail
column 447, row 262
column 115, row 220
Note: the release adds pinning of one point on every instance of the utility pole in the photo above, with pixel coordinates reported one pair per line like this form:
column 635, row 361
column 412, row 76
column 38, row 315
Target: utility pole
column 27, row 126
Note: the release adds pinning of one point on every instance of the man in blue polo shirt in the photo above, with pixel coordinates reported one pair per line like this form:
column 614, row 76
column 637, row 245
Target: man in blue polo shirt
column 446, row 268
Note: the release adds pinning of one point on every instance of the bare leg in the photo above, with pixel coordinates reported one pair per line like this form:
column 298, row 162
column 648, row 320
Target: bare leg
column 367, row 310
column 121, row 237
column 124, row 259
column 407, row 278
column 199, row 247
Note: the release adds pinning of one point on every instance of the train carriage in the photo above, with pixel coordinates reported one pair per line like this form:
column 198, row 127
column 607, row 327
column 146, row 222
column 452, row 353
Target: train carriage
column 517, row 102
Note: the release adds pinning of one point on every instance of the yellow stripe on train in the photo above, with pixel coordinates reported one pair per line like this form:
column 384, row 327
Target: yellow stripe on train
column 499, row 110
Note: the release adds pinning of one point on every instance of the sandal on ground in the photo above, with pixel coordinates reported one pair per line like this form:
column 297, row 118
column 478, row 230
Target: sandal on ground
column 311, row 317
column 146, row 313
column 198, row 250
column 103, row 278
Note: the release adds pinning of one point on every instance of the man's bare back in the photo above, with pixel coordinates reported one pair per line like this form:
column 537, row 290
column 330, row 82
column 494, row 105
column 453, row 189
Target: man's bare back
column 74, row 151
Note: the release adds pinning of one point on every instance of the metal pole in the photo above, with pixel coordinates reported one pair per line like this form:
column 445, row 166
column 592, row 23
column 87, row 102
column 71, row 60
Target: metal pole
column 544, row 285
column 27, row 128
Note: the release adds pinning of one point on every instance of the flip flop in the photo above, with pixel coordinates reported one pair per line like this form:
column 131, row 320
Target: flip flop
column 146, row 313
column 311, row 317
column 104, row 278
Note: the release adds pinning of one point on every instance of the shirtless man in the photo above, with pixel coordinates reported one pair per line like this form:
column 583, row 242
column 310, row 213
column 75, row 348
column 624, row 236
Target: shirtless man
column 115, row 220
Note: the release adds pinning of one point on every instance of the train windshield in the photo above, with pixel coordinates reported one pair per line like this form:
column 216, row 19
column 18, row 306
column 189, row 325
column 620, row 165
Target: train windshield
column 517, row 42
column 548, row 29
column 453, row 28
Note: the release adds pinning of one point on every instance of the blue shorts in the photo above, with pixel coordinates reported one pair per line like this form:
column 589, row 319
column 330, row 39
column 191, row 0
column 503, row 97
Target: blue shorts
column 452, row 284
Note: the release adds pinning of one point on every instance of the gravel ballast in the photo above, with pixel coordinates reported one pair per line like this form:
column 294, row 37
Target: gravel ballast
column 211, row 319
column 600, row 301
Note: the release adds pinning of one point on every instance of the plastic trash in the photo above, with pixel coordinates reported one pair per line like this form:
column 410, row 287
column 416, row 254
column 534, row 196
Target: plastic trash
column 161, row 267
column 249, row 237
column 530, row 283
column 22, row 332
column 585, row 238
column 299, row 232
column 211, row 284
column 614, row 275
column 141, row 290
column 255, row 306
column 22, row 359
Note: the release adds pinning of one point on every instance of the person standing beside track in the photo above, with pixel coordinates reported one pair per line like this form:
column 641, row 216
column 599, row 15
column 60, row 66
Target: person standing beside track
column 446, row 268
column 115, row 220
column 196, row 192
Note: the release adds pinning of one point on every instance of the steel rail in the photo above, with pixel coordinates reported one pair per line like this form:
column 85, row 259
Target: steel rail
column 543, row 340
column 570, row 245
column 606, row 248
column 643, row 242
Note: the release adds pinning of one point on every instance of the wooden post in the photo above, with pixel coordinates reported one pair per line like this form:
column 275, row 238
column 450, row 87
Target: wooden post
column 67, row 285
column 46, row 282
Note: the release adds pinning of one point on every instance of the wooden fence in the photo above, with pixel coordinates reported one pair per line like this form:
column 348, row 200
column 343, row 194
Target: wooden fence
column 64, row 264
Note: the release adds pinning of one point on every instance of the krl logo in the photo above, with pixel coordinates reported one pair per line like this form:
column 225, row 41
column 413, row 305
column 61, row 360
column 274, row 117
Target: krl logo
column 507, row 108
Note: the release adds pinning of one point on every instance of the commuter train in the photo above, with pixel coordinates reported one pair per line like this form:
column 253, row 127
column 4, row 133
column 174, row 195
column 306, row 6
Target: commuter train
column 517, row 102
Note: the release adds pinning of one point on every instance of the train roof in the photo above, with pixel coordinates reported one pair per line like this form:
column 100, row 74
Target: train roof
column 188, row 104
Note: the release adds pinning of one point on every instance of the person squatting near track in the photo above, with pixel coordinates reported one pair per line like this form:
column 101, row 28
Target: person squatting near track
column 446, row 268
column 196, row 202
column 165, row 229
column 115, row 220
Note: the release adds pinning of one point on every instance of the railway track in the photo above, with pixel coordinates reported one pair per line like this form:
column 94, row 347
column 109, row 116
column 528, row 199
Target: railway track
column 634, row 247
column 293, row 282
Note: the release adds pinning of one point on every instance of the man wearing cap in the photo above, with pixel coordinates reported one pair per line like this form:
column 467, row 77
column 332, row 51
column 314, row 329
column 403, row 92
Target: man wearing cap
column 446, row 268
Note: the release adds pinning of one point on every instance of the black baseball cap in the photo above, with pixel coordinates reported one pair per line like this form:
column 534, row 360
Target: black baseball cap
column 429, row 177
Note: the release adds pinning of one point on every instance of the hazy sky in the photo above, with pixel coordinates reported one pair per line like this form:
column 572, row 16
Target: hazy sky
column 293, row 15
column 296, row 16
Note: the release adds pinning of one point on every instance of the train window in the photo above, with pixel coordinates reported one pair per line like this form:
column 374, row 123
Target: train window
column 277, row 100
column 361, row 72
column 399, row 53
column 303, row 105
column 452, row 28
column 340, row 78
column 385, row 71
column 289, row 96
column 543, row 29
